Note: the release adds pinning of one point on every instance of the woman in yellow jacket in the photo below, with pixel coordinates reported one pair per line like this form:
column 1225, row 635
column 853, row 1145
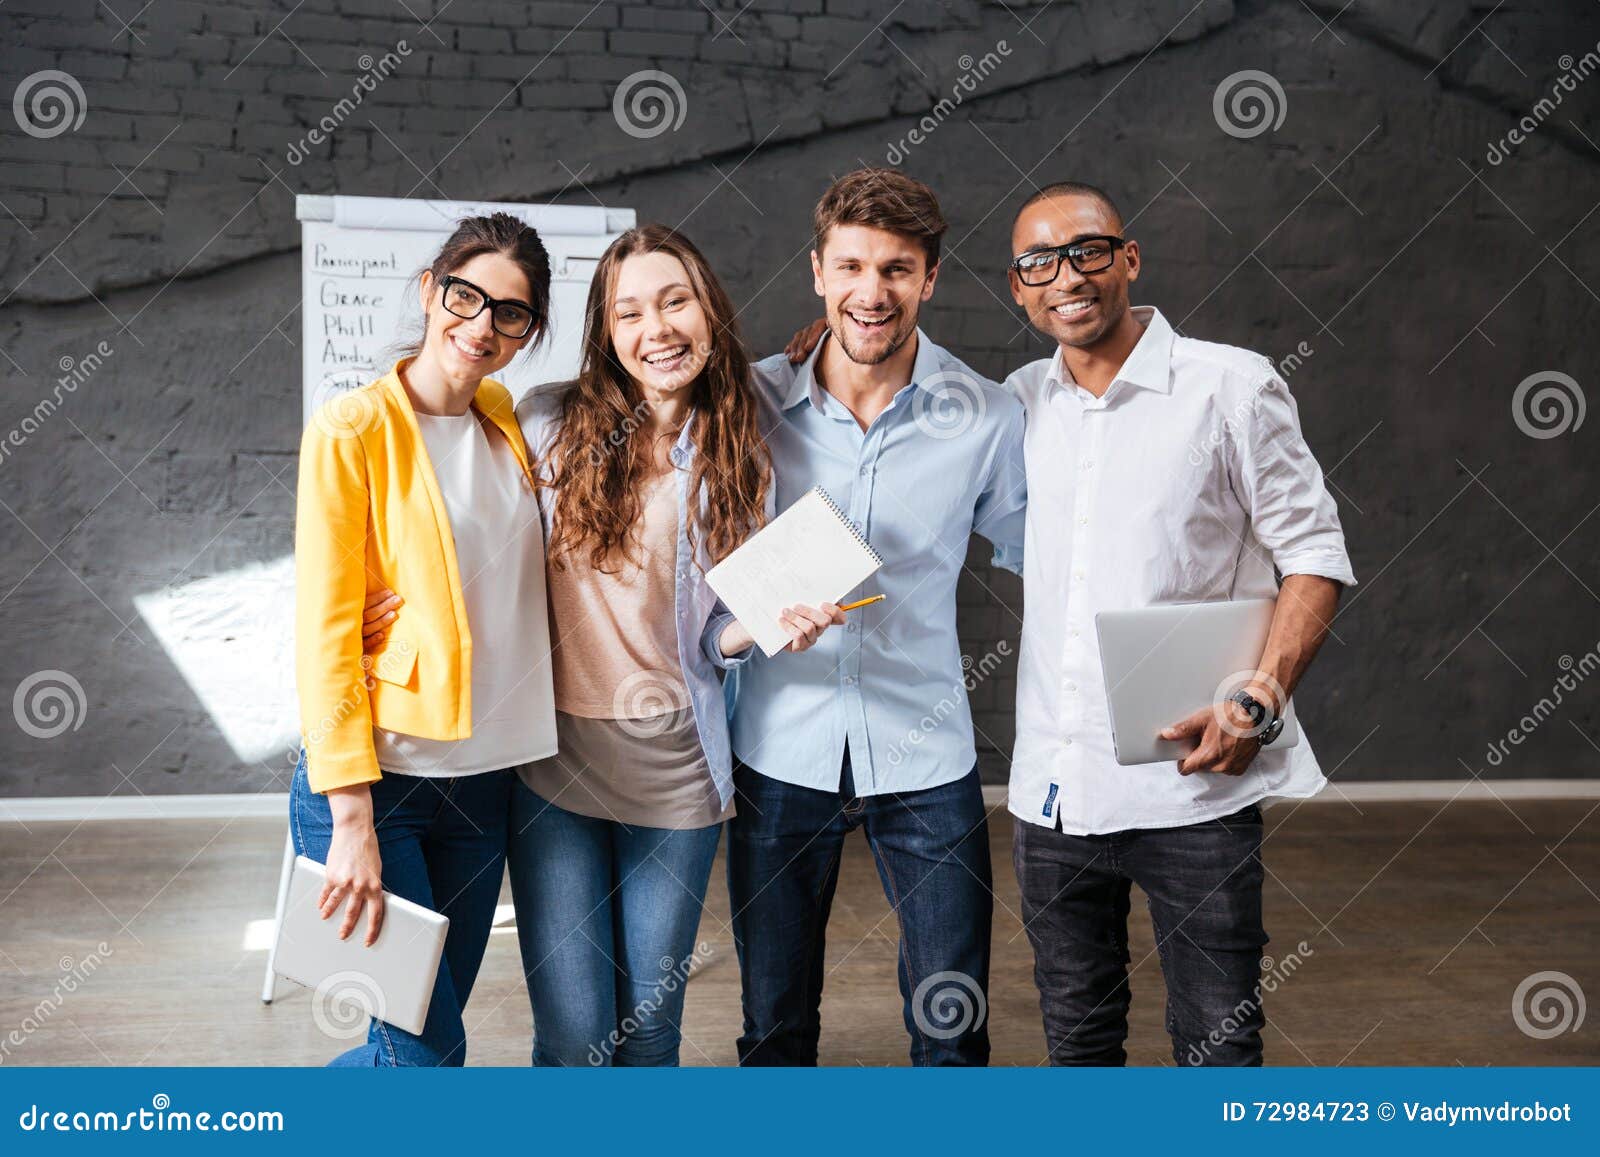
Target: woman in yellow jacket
column 421, row 482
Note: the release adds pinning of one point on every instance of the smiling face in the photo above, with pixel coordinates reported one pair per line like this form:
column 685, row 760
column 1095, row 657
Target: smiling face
column 1076, row 309
column 470, row 349
column 872, row 283
column 658, row 326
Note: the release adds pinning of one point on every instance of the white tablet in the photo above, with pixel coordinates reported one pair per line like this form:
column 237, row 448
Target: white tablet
column 1164, row 663
column 392, row 981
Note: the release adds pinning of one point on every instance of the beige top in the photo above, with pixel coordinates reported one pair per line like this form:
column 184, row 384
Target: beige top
column 647, row 773
column 615, row 636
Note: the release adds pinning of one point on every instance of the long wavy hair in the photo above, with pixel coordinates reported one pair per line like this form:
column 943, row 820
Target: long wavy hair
column 603, row 452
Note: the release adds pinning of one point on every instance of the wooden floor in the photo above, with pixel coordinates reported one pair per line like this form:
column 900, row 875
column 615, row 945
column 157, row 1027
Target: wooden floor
column 130, row 944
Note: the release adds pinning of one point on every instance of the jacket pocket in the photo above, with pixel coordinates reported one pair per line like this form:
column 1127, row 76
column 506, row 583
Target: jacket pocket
column 396, row 663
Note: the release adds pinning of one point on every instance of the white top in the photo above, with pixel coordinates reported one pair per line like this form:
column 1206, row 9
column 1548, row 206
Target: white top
column 1187, row 482
column 499, row 543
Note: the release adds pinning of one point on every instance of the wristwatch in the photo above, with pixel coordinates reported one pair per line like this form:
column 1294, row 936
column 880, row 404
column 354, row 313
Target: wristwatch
column 1258, row 711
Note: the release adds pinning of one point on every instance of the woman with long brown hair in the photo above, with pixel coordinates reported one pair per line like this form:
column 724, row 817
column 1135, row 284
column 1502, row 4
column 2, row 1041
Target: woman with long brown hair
column 652, row 469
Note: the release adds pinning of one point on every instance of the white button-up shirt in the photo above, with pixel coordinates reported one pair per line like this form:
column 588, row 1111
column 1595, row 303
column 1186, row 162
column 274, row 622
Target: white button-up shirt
column 1188, row 481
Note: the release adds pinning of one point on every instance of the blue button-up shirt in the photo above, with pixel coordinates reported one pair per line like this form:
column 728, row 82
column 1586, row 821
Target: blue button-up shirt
column 944, row 460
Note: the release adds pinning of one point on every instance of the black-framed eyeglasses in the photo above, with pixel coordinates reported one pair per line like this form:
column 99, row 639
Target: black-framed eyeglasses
column 1087, row 255
column 513, row 319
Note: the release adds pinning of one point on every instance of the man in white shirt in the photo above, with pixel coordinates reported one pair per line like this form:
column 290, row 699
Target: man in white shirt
column 1160, row 469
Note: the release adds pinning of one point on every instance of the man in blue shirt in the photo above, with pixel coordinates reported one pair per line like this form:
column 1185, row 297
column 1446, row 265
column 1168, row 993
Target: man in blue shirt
column 870, row 728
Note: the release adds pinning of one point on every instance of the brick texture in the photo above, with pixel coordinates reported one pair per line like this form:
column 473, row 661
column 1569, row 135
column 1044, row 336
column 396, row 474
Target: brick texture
column 164, row 225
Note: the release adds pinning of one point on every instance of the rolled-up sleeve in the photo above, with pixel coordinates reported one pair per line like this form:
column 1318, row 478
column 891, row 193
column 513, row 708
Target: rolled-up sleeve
column 1283, row 489
column 710, row 638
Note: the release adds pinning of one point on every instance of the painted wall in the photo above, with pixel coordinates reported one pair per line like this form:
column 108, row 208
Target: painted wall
column 1410, row 264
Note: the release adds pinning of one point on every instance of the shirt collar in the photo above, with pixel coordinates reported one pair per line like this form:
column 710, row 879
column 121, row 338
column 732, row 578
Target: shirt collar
column 683, row 449
column 805, row 385
column 1148, row 366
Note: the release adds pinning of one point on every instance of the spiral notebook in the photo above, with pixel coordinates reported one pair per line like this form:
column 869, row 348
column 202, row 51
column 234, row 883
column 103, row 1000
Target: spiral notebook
column 810, row 554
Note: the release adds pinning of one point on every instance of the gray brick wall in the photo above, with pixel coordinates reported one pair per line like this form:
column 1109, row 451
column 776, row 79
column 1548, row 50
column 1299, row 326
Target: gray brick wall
column 1428, row 280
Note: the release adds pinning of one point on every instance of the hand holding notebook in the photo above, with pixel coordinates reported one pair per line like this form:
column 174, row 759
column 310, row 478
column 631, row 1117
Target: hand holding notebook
column 808, row 555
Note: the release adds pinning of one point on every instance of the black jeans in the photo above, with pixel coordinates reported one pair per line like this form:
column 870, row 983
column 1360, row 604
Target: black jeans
column 1204, row 886
column 932, row 851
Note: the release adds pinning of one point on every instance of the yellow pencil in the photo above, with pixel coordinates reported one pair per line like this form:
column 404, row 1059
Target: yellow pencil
column 862, row 602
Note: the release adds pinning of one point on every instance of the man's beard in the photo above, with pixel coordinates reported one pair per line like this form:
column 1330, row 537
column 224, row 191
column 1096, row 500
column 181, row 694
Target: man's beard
column 893, row 340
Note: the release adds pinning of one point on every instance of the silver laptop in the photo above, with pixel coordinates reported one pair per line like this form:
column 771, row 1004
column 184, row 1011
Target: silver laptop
column 1164, row 663
column 392, row 981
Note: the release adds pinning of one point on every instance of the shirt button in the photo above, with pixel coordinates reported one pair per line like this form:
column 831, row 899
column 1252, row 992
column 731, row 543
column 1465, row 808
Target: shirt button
column 849, row 680
column 1083, row 521
column 1077, row 576
column 850, row 627
column 865, row 470
column 1088, row 463
column 1071, row 686
column 1066, row 742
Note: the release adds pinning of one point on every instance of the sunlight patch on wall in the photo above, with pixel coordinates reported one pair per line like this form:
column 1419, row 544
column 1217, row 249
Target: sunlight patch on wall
column 231, row 637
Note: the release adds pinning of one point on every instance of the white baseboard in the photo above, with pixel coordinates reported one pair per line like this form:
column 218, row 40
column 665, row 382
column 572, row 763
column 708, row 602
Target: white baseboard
column 275, row 805
column 78, row 808
column 1418, row 791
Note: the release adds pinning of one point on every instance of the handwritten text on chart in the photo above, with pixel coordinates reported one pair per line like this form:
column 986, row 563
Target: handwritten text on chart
column 351, row 306
column 327, row 260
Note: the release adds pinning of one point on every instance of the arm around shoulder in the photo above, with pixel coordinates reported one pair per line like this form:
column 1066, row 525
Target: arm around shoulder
column 539, row 414
column 1001, row 514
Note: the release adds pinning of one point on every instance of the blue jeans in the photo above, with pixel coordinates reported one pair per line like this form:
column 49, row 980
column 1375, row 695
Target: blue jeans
column 932, row 852
column 606, row 918
column 1203, row 883
column 443, row 843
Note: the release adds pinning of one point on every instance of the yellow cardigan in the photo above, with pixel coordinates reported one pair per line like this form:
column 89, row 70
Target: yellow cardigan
column 369, row 515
